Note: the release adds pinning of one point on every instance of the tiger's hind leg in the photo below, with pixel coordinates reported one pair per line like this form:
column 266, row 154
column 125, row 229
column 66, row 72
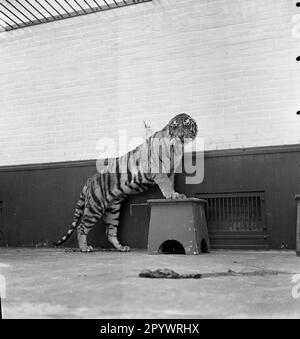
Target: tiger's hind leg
column 111, row 219
column 89, row 219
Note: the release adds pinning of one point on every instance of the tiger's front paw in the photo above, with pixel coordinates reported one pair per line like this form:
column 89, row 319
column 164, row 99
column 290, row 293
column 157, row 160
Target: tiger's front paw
column 177, row 195
column 86, row 249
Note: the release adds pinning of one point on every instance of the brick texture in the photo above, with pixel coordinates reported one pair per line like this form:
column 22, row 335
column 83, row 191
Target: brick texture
column 230, row 64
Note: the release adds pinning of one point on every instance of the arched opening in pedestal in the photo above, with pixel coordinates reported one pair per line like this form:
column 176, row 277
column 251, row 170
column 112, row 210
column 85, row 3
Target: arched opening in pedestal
column 171, row 247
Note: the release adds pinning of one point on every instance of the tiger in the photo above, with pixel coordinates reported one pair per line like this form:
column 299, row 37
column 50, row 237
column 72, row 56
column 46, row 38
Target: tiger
column 154, row 162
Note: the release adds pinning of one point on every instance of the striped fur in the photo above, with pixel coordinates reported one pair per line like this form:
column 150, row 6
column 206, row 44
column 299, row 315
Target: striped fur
column 153, row 162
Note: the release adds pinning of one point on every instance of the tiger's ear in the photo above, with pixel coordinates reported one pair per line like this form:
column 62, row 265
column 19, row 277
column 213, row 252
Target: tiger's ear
column 148, row 130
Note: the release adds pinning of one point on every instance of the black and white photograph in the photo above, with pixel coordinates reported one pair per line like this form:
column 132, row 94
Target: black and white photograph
column 149, row 162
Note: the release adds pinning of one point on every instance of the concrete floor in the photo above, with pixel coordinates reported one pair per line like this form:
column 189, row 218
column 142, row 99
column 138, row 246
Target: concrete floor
column 54, row 283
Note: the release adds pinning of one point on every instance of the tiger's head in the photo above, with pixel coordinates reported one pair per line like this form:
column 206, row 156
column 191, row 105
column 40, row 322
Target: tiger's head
column 182, row 127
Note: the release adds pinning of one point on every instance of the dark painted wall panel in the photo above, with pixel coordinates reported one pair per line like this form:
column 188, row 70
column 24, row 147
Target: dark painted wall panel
column 38, row 201
column 277, row 174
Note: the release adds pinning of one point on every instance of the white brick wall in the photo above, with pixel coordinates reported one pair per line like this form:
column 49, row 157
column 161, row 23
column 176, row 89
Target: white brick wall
column 230, row 64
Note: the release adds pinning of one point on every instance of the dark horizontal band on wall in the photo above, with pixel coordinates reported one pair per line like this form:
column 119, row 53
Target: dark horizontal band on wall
column 253, row 151
column 207, row 154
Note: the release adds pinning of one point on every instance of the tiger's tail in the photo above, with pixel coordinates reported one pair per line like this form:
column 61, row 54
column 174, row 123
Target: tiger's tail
column 78, row 213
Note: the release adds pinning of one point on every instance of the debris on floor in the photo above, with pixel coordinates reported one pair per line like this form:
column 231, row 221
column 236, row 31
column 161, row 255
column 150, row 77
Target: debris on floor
column 170, row 274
